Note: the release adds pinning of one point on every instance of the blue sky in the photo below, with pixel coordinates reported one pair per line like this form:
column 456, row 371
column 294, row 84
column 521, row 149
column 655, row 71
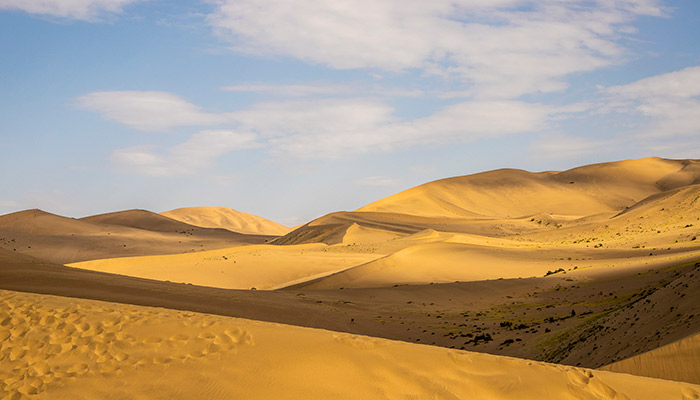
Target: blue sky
column 290, row 110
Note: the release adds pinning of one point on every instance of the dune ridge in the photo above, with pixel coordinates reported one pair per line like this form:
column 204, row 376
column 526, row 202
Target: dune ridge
column 587, row 190
column 227, row 218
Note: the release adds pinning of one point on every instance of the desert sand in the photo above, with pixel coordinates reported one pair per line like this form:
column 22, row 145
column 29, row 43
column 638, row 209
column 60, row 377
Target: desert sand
column 677, row 361
column 227, row 218
column 60, row 348
column 134, row 232
column 595, row 267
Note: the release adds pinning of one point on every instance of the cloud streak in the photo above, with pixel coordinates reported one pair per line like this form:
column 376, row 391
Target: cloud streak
column 87, row 10
column 313, row 129
column 669, row 103
column 200, row 151
column 500, row 49
column 148, row 110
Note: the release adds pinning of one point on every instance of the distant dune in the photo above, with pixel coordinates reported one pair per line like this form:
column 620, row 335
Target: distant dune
column 227, row 218
column 135, row 232
column 140, row 219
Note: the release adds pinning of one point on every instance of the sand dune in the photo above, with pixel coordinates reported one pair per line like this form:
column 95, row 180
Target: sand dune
column 587, row 267
column 588, row 190
column 227, row 218
column 448, row 315
column 58, row 348
column 678, row 361
column 245, row 267
column 143, row 219
column 63, row 240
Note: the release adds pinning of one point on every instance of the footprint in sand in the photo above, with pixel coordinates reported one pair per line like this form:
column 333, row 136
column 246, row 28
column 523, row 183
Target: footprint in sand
column 239, row 336
column 162, row 360
column 460, row 358
column 690, row 394
column 357, row 342
column 584, row 385
column 153, row 341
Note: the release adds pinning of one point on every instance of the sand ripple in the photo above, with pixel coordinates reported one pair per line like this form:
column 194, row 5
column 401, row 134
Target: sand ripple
column 44, row 346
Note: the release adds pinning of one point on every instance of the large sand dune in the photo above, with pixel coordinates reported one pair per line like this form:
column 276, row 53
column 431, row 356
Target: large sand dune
column 581, row 191
column 65, row 349
column 227, row 218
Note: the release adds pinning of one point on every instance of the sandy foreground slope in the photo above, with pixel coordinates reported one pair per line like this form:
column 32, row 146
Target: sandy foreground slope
column 227, row 218
column 678, row 361
column 58, row 348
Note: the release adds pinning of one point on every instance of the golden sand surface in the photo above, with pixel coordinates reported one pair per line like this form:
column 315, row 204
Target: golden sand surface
column 227, row 218
column 61, row 348
column 677, row 361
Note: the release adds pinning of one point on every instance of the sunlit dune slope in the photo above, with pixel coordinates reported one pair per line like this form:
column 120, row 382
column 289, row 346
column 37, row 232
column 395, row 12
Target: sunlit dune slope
column 61, row 348
column 333, row 228
column 59, row 239
column 671, row 218
column 244, row 267
column 678, row 361
column 227, row 218
column 587, row 190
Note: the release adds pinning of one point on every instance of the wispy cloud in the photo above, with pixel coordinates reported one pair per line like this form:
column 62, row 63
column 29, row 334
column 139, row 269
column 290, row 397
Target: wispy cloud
column 148, row 110
column 329, row 90
column 344, row 128
column 334, row 128
column 669, row 103
column 562, row 146
column 87, row 10
column 197, row 153
column 498, row 49
column 377, row 181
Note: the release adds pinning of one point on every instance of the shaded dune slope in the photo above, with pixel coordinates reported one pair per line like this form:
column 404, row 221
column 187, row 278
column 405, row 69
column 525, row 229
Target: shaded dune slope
column 62, row 240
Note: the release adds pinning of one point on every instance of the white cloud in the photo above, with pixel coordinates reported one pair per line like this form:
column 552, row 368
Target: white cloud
column 87, row 10
column 669, row 102
column 327, row 90
column 340, row 128
column 317, row 129
column 377, row 181
column 197, row 153
column 148, row 110
column 298, row 90
column 561, row 146
column 503, row 48
column 684, row 83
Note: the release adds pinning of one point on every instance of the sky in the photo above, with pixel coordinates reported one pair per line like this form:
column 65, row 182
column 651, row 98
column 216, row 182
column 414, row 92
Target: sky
column 294, row 109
